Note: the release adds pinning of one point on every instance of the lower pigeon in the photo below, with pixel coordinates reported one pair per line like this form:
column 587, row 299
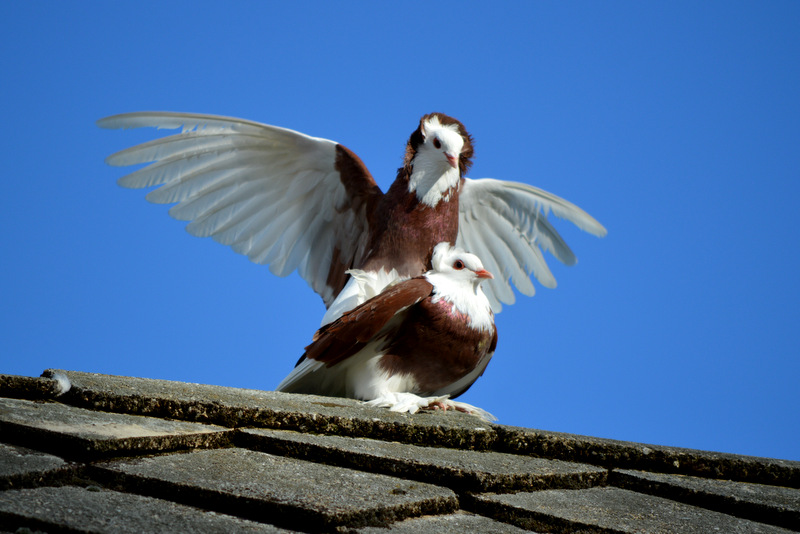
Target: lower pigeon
column 415, row 345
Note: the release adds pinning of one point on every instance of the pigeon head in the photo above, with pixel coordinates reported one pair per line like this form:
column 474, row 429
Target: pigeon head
column 442, row 140
column 437, row 156
column 456, row 278
column 458, row 264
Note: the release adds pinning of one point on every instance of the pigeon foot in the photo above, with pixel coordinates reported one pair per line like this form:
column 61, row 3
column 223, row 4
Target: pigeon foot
column 411, row 403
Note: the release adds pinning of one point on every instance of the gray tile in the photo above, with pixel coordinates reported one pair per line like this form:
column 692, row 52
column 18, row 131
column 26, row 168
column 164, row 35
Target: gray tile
column 457, row 523
column 101, row 511
column 458, row 469
column 628, row 455
column 611, row 510
column 276, row 489
column 25, row 467
column 74, row 431
column 769, row 504
column 245, row 407
column 25, row 387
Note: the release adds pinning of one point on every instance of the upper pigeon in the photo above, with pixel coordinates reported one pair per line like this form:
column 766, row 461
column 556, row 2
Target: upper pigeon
column 304, row 203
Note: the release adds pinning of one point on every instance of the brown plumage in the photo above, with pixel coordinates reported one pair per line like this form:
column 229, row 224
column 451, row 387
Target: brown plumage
column 339, row 340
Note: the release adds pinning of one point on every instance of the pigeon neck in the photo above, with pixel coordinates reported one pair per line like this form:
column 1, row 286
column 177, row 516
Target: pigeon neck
column 431, row 181
column 466, row 299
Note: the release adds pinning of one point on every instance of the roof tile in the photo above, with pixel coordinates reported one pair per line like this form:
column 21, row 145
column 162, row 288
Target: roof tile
column 465, row 470
column 76, row 432
column 611, row 509
column 245, row 407
column 622, row 454
column 769, row 504
column 457, row 523
column 284, row 491
column 87, row 510
column 21, row 467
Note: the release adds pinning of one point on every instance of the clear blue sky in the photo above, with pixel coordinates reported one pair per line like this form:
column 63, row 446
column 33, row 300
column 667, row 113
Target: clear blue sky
column 676, row 124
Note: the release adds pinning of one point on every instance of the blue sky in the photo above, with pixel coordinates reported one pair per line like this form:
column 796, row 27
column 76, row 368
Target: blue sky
column 675, row 124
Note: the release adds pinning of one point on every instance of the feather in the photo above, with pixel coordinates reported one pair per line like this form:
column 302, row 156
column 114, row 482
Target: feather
column 244, row 184
column 506, row 222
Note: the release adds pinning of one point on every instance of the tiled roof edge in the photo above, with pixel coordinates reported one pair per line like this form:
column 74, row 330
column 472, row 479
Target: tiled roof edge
column 232, row 408
column 615, row 454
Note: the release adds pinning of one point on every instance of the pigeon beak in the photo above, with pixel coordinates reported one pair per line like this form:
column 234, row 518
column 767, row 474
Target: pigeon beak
column 483, row 273
column 452, row 160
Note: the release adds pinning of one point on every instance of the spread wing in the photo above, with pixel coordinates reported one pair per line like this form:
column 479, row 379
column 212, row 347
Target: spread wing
column 349, row 334
column 279, row 197
column 505, row 224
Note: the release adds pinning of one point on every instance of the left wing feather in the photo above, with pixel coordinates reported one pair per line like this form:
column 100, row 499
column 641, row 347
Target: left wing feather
column 264, row 191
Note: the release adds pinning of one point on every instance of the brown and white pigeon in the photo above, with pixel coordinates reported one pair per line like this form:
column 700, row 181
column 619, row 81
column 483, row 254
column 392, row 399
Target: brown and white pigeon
column 417, row 344
column 304, row 203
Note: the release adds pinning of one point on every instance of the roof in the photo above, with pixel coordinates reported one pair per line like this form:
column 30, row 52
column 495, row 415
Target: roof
column 120, row 454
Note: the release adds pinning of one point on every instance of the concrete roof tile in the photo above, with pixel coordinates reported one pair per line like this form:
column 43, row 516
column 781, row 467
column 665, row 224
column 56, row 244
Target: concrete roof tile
column 280, row 490
column 457, row 523
column 102, row 511
column 622, row 454
column 772, row 504
column 77, row 432
column 244, row 407
column 612, row 509
column 23, row 467
column 467, row 470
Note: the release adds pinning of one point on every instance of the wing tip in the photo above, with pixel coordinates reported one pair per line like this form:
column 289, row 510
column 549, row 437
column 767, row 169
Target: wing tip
column 119, row 121
column 596, row 229
column 107, row 123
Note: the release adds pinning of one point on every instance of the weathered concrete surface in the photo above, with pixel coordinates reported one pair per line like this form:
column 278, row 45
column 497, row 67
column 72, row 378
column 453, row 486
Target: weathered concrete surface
column 610, row 510
column 102, row 511
column 440, row 466
column 622, row 454
column 458, row 523
column 768, row 504
column 25, row 387
column 25, row 467
column 243, row 407
column 283, row 491
column 324, row 415
column 460, row 470
column 72, row 431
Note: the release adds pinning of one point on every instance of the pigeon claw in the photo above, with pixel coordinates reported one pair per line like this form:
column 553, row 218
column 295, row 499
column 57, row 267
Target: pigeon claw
column 410, row 403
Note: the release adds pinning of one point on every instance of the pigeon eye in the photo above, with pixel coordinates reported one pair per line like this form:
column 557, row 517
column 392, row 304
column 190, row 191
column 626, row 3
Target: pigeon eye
column 437, row 143
column 458, row 265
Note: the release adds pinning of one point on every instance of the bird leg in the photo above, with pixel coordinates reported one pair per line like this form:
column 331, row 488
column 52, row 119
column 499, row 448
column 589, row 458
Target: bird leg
column 447, row 404
column 437, row 405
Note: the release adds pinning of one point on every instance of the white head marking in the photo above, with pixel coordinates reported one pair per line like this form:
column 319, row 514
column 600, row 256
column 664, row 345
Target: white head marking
column 436, row 164
column 456, row 277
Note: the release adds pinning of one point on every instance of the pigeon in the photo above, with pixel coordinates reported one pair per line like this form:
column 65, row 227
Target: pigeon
column 296, row 202
column 417, row 344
